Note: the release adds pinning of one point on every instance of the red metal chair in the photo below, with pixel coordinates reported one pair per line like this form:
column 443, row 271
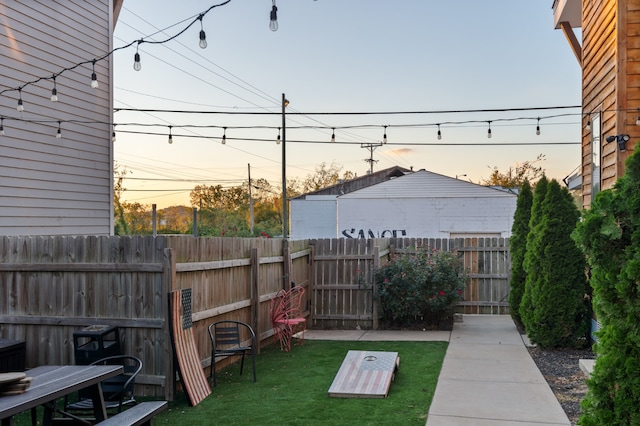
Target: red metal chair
column 286, row 316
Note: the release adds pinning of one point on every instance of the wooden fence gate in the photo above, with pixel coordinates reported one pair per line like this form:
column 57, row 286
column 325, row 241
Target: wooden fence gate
column 344, row 295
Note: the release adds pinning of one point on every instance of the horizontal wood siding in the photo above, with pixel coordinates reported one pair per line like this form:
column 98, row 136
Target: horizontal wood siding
column 53, row 186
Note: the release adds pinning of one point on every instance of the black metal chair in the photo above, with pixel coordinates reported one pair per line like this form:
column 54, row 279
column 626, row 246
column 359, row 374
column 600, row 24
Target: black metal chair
column 225, row 341
column 117, row 391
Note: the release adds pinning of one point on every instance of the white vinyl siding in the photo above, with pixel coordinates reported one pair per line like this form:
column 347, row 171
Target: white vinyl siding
column 51, row 186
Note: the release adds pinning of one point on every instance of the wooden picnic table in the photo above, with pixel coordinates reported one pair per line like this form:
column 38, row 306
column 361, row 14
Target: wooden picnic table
column 53, row 382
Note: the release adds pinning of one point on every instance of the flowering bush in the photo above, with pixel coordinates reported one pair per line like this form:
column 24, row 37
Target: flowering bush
column 419, row 288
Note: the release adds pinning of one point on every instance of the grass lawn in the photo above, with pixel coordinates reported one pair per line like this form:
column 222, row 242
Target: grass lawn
column 292, row 389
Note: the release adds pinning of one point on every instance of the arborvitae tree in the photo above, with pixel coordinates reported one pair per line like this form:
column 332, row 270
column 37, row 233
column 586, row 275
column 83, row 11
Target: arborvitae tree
column 531, row 258
column 518, row 247
column 609, row 236
column 560, row 317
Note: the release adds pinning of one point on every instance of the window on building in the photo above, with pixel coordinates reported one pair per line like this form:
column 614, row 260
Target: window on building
column 596, row 153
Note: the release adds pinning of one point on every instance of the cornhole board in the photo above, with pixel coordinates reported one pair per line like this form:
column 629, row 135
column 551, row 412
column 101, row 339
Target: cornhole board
column 194, row 381
column 365, row 374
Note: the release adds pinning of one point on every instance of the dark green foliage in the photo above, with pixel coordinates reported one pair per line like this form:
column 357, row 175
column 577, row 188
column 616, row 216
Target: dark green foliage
column 560, row 314
column 419, row 288
column 518, row 247
column 609, row 236
column 532, row 255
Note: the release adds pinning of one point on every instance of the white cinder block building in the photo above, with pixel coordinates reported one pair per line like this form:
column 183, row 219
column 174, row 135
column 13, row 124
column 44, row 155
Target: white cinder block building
column 418, row 204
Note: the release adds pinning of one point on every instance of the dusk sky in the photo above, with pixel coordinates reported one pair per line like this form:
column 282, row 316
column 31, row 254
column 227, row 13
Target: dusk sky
column 332, row 56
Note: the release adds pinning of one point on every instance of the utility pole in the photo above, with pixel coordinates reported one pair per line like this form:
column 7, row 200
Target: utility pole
column 250, row 202
column 371, row 147
column 285, row 213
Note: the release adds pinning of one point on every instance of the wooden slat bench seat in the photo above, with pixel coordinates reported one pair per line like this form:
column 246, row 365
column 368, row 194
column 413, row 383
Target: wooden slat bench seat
column 141, row 414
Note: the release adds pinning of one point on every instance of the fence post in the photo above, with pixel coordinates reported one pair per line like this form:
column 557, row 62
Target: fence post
column 374, row 297
column 312, row 282
column 255, row 295
column 286, row 266
column 169, row 280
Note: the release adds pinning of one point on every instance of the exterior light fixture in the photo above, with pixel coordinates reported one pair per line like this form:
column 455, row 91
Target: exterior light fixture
column 621, row 139
column 273, row 17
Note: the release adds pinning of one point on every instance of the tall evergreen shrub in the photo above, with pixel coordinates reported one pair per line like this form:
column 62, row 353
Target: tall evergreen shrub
column 531, row 259
column 518, row 247
column 609, row 236
column 560, row 317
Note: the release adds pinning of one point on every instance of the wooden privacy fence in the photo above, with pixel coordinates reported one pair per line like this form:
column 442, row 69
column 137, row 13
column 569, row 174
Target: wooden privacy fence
column 52, row 286
column 343, row 290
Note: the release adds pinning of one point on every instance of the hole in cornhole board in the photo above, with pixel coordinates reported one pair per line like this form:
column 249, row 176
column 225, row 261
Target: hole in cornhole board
column 365, row 374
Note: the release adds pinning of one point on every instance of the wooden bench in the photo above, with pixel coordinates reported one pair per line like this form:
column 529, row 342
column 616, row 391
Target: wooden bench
column 141, row 414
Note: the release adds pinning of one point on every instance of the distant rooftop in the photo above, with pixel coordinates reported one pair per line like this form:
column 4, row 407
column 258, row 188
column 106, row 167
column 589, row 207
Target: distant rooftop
column 347, row 186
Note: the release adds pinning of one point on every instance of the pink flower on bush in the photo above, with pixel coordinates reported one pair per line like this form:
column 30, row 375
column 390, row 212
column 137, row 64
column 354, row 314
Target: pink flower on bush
column 442, row 293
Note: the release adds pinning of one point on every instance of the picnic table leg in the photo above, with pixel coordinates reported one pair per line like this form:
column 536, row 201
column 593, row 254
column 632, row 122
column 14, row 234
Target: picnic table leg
column 99, row 409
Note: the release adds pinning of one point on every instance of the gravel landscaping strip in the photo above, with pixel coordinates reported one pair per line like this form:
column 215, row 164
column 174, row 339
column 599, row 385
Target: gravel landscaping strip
column 560, row 367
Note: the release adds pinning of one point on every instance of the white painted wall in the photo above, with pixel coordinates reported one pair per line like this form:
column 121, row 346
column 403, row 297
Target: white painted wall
column 51, row 186
column 314, row 217
column 425, row 217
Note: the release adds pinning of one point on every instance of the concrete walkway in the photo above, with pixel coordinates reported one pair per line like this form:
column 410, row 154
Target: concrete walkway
column 487, row 378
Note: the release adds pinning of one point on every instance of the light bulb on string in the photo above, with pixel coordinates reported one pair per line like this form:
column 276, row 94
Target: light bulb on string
column 113, row 134
column 538, row 127
column 278, row 139
column 54, row 91
column 59, row 134
column 638, row 119
column 439, row 133
column 224, row 136
column 170, row 141
column 384, row 136
column 203, row 36
column 588, row 127
column 20, row 107
column 489, row 131
column 1, row 126
column 273, row 17
column 94, row 76
column 136, row 59
column 333, row 135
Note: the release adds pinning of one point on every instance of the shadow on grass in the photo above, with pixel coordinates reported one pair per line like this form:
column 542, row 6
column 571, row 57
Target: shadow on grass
column 292, row 389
